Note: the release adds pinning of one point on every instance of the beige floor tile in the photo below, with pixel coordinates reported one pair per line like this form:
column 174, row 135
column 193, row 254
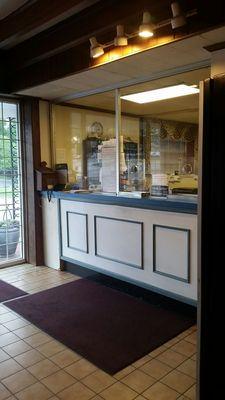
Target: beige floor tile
column 8, row 338
column 43, row 368
column 3, row 329
column 26, row 331
column 50, row 348
column 191, row 329
column 140, row 398
column 156, row 369
column 58, row 381
column 3, row 310
column 19, row 381
column 76, row 392
column 34, row 392
column 3, row 356
column 159, row 391
column 29, row 358
column 9, row 316
column 192, row 338
column 16, row 348
column 16, row 324
column 178, row 381
column 9, row 367
column 37, row 339
column 185, row 348
column 29, row 286
column 81, row 368
column 157, row 351
column 124, row 372
column 4, row 393
column 188, row 367
column 98, row 398
column 172, row 341
column 191, row 393
column 55, row 398
column 171, row 358
column 118, row 391
column 179, row 353
column 98, row 381
column 65, row 358
column 183, row 334
column 138, row 381
column 141, row 361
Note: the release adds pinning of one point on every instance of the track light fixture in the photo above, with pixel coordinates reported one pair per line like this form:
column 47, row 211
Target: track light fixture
column 146, row 28
column 179, row 18
column 96, row 49
column 120, row 39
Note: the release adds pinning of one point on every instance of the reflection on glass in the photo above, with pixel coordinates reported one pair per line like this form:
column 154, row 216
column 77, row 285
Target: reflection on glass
column 85, row 141
column 160, row 158
column 158, row 142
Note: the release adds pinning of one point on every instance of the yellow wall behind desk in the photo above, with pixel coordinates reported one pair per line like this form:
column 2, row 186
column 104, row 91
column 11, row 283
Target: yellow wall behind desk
column 70, row 126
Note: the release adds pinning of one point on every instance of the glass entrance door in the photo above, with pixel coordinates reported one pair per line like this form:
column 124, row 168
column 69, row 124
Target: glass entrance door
column 11, row 193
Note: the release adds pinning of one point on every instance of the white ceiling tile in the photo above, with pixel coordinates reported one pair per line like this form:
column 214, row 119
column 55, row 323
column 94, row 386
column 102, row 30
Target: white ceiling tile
column 215, row 35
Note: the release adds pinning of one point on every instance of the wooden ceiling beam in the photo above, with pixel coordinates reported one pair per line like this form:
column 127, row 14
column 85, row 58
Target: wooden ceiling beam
column 55, row 67
column 35, row 16
column 95, row 20
column 64, row 55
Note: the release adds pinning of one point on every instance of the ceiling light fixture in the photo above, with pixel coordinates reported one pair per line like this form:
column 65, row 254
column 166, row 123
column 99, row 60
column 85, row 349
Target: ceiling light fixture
column 179, row 18
column 169, row 92
column 146, row 28
column 96, row 49
column 121, row 38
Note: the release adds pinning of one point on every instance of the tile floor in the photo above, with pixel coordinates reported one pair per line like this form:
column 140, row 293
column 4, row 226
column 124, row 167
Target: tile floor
column 35, row 366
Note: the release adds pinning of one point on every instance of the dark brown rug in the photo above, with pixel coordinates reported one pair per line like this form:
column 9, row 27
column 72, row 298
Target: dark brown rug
column 8, row 292
column 109, row 328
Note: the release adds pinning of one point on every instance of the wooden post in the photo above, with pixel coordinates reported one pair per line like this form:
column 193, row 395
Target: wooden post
column 32, row 158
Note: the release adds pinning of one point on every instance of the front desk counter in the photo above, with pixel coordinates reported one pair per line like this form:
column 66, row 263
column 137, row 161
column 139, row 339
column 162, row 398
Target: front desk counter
column 149, row 242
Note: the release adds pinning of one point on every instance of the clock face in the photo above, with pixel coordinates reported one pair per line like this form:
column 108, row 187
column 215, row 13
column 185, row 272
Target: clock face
column 96, row 128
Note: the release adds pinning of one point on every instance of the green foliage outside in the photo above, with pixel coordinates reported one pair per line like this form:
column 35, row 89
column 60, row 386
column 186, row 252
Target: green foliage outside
column 5, row 146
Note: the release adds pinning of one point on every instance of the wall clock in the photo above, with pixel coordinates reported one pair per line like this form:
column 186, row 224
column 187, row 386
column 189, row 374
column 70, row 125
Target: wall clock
column 96, row 129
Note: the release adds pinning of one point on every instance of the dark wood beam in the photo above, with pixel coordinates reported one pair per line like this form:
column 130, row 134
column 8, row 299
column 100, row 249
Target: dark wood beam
column 95, row 20
column 64, row 49
column 63, row 64
column 32, row 157
column 28, row 71
column 3, row 74
column 35, row 16
column 211, row 248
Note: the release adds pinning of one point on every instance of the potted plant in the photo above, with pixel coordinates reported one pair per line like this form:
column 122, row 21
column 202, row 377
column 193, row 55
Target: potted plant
column 9, row 237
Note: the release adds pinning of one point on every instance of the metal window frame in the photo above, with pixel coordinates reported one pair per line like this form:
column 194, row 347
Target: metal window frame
column 18, row 261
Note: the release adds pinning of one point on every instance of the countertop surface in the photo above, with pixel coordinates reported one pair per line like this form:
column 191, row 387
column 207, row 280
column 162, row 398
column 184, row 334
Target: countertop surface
column 186, row 204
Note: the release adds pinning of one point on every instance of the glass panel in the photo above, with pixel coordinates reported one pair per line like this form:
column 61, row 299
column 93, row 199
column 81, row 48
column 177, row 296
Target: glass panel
column 85, row 145
column 10, row 112
column 11, row 206
column 159, row 141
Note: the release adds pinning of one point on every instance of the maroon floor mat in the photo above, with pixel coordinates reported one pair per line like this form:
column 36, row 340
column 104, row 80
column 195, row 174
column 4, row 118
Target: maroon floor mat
column 109, row 328
column 8, row 292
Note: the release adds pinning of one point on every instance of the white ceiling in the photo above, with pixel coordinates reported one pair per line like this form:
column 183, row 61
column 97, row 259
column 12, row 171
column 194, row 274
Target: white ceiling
column 8, row 6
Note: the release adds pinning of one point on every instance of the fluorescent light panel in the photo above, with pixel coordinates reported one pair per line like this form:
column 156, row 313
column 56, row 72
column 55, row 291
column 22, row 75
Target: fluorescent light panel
column 169, row 92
